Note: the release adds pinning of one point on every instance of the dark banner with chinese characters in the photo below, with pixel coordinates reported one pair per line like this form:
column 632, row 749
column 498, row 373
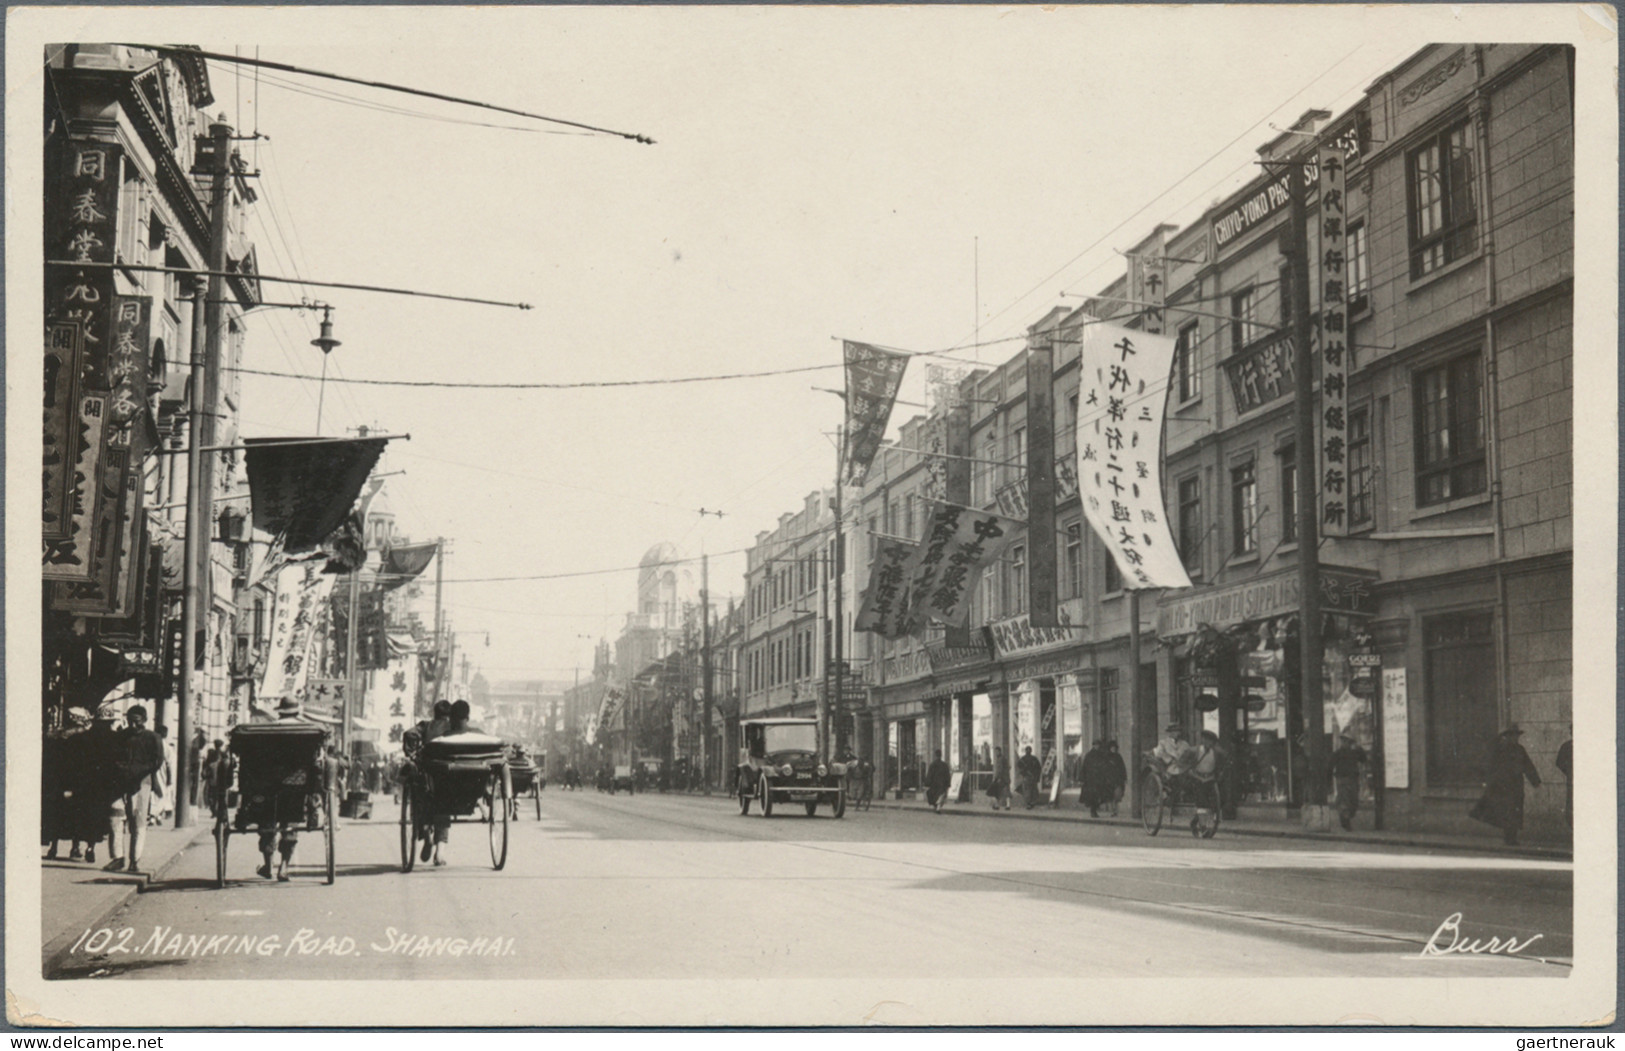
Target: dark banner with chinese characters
column 1334, row 344
column 303, row 489
column 403, row 564
column 885, row 604
column 872, row 378
column 958, row 544
column 1262, row 373
column 1123, row 389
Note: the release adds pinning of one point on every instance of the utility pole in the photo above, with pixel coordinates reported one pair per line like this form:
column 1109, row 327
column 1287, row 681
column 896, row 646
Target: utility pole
column 351, row 679
column 705, row 672
column 205, row 360
column 1310, row 644
column 439, row 626
column 840, row 614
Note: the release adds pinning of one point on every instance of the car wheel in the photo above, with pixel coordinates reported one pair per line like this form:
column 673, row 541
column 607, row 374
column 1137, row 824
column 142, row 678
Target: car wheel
column 840, row 805
column 744, row 801
column 766, row 796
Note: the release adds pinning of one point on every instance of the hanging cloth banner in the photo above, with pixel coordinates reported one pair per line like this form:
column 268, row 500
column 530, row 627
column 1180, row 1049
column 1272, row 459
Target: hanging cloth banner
column 1334, row 345
column 301, row 589
column 1123, row 390
column 885, row 603
column 959, row 543
column 402, row 564
column 390, row 700
column 872, row 378
column 304, row 490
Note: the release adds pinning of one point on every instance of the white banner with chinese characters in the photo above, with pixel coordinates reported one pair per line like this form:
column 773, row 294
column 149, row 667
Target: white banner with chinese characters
column 301, row 591
column 958, row 544
column 390, row 699
column 1123, row 389
column 1335, row 348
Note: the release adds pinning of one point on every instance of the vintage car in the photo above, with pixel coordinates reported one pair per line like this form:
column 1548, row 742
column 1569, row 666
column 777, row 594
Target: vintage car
column 779, row 763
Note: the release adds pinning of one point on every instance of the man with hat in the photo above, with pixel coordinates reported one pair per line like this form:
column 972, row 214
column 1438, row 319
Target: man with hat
column 281, row 838
column 139, row 755
column 1502, row 802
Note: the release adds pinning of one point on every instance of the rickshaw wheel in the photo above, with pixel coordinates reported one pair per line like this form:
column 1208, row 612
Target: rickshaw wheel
column 328, row 832
column 409, row 844
column 840, row 803
column 1152, row 803
column 497, row 821
column 222, row 830
column 766, row 795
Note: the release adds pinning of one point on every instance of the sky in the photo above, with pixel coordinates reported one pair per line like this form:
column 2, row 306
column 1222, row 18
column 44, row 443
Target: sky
column 919, row 178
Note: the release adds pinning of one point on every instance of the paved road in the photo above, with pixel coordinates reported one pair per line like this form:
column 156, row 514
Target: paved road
column 658, row 886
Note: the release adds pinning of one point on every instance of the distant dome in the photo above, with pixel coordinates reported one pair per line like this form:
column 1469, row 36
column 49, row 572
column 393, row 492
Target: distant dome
column 664, row 552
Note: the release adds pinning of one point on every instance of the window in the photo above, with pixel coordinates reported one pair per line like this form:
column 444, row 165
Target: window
column 1073, row 581
column 1243, row 319
column 1460, row 704
column 1289, row 494
column 1450, row 431
column 1359, row 462
column 874, row 536
column 1188, row 375
column 892, row 511
column 1442, row 209
column 990, row 611
column 1018, row 579
column 1190, row 522
column 1108, row 702
column 1243, row 509
column 1072, row 416
column 1358, row 268
column 908, row 517
column 1114, row 578
column 1015, row 468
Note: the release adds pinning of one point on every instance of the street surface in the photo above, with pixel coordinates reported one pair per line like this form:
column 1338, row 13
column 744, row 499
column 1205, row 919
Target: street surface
column 669, row 886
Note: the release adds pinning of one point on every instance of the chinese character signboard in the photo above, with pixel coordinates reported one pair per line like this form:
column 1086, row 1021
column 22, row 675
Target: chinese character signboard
column 301, row 590
column 1261, row 373
column 1123, row 382
column 958, row 544
column 1148, row 282
column 1334, row 345
column 885, row 603
column 872, row 378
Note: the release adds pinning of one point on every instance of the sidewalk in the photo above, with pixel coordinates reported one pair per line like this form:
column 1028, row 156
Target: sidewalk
column 75, row 896
column 1282, row 829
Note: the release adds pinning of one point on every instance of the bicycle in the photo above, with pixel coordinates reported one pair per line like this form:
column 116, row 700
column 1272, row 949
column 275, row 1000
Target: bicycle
column 1162, row 794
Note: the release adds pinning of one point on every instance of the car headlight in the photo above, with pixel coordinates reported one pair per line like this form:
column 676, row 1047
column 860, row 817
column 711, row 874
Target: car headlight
column 787, row 770
column 822, row 770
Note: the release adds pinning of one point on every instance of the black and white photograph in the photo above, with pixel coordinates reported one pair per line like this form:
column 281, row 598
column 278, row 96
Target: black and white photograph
column 799, row 516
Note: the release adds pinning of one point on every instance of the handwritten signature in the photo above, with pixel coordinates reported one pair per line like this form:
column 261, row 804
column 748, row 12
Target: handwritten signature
column 1461, row 945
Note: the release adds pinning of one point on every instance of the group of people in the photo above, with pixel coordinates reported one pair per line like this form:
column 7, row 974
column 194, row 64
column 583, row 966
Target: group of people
column 99, row 782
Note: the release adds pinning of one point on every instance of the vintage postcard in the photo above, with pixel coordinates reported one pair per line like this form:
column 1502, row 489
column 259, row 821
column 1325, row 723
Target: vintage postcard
column 811, row 516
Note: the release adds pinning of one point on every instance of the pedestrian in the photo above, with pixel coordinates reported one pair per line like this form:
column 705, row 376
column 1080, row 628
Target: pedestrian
column 164, row 782
column 1347, row 760
column 1501, row 805
column 62, row 781
column 213, row 770
column 1565, row 763
column 280, row 838
column 1028, row 772
column 1118, row 773
column 459, row 716
column 999, row 790
column 194, row 766
column 936, row 783
column 99, row 785
column 1097, row 778
column 139, row 758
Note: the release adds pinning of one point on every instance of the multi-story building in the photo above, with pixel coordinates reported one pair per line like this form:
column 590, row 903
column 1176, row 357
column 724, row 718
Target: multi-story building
column 129, row 153
column 788, row 613
column 1445, row 586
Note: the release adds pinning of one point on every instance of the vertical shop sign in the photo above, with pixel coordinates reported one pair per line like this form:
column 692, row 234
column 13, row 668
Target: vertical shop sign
column 301, row 589
column 64, row 352
column 1123, row 387
column 958, row 544
column 1334, row 343
column 1395, row 729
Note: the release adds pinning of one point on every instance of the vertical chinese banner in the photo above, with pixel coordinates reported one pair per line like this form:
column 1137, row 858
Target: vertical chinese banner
column 872, row 378
column 1123, row 390
column 1335, row 348
column 82, row 185
column 885, row 602
column 958, row 544
column 301, row 589
column 1148, row 282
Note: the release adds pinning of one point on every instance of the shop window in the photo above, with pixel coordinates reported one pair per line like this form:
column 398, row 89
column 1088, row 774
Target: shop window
column 1459, row 678
column 1358, row 268
column 1114, row 578
column 1439, row 188
column 1244, row 326
column 1072, row 582
column 1289, row 494
column 1243, row 510
column 1450, row 431
column 1359, row 459
column 1187, row 374
column 1190, row 522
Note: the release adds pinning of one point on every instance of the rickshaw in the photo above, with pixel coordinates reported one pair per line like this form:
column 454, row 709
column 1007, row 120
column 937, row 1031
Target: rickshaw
column 526, row 778
column 456, row 776
column 1162, row 794
column 284, row 778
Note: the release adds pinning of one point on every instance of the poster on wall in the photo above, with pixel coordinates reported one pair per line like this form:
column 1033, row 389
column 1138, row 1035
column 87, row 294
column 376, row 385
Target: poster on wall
column 1396, row 729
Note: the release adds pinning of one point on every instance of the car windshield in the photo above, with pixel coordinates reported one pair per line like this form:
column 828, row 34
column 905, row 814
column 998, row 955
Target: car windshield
column 792, row 737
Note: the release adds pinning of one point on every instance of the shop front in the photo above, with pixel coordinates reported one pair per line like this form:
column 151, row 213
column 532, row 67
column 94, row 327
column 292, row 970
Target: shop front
column 943, row 706
column 1041, row 670
column 1234, row 667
